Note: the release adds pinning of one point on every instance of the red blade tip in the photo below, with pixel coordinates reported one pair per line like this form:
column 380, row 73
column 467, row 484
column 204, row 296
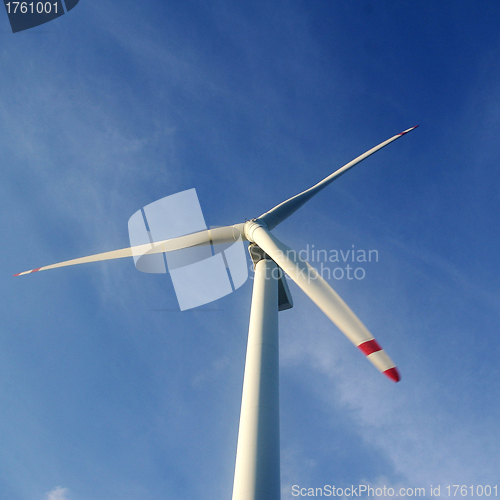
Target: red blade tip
column 409, row 130
column 393, row 374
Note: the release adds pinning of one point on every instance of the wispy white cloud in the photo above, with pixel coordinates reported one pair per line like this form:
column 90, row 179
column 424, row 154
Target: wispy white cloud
column 58, row 493
column 412, row 424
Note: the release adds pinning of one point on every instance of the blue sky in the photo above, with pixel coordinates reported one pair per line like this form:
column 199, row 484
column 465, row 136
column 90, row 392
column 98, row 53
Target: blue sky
column 106, row 391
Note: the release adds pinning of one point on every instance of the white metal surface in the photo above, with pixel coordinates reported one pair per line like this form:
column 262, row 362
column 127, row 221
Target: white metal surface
column 257, row 469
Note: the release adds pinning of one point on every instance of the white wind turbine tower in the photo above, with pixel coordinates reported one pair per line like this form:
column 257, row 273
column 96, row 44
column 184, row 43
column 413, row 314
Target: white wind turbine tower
column 257, row 469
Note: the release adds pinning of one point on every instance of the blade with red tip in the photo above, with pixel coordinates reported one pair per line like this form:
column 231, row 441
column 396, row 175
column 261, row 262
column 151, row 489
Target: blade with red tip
column 226, row 234
column 323, row 295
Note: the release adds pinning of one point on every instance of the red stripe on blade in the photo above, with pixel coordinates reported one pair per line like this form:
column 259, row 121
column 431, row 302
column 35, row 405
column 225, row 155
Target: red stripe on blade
column 369, row 347
column 393, row 374
column 35, row 270
column 16, row 274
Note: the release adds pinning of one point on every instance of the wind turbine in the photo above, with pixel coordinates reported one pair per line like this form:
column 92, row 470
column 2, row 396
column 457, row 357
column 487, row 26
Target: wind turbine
column 257, row 468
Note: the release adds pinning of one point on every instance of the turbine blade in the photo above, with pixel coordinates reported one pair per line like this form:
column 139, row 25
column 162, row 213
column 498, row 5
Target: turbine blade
column 323, row 295
column 226, row 234
column 282, row 211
